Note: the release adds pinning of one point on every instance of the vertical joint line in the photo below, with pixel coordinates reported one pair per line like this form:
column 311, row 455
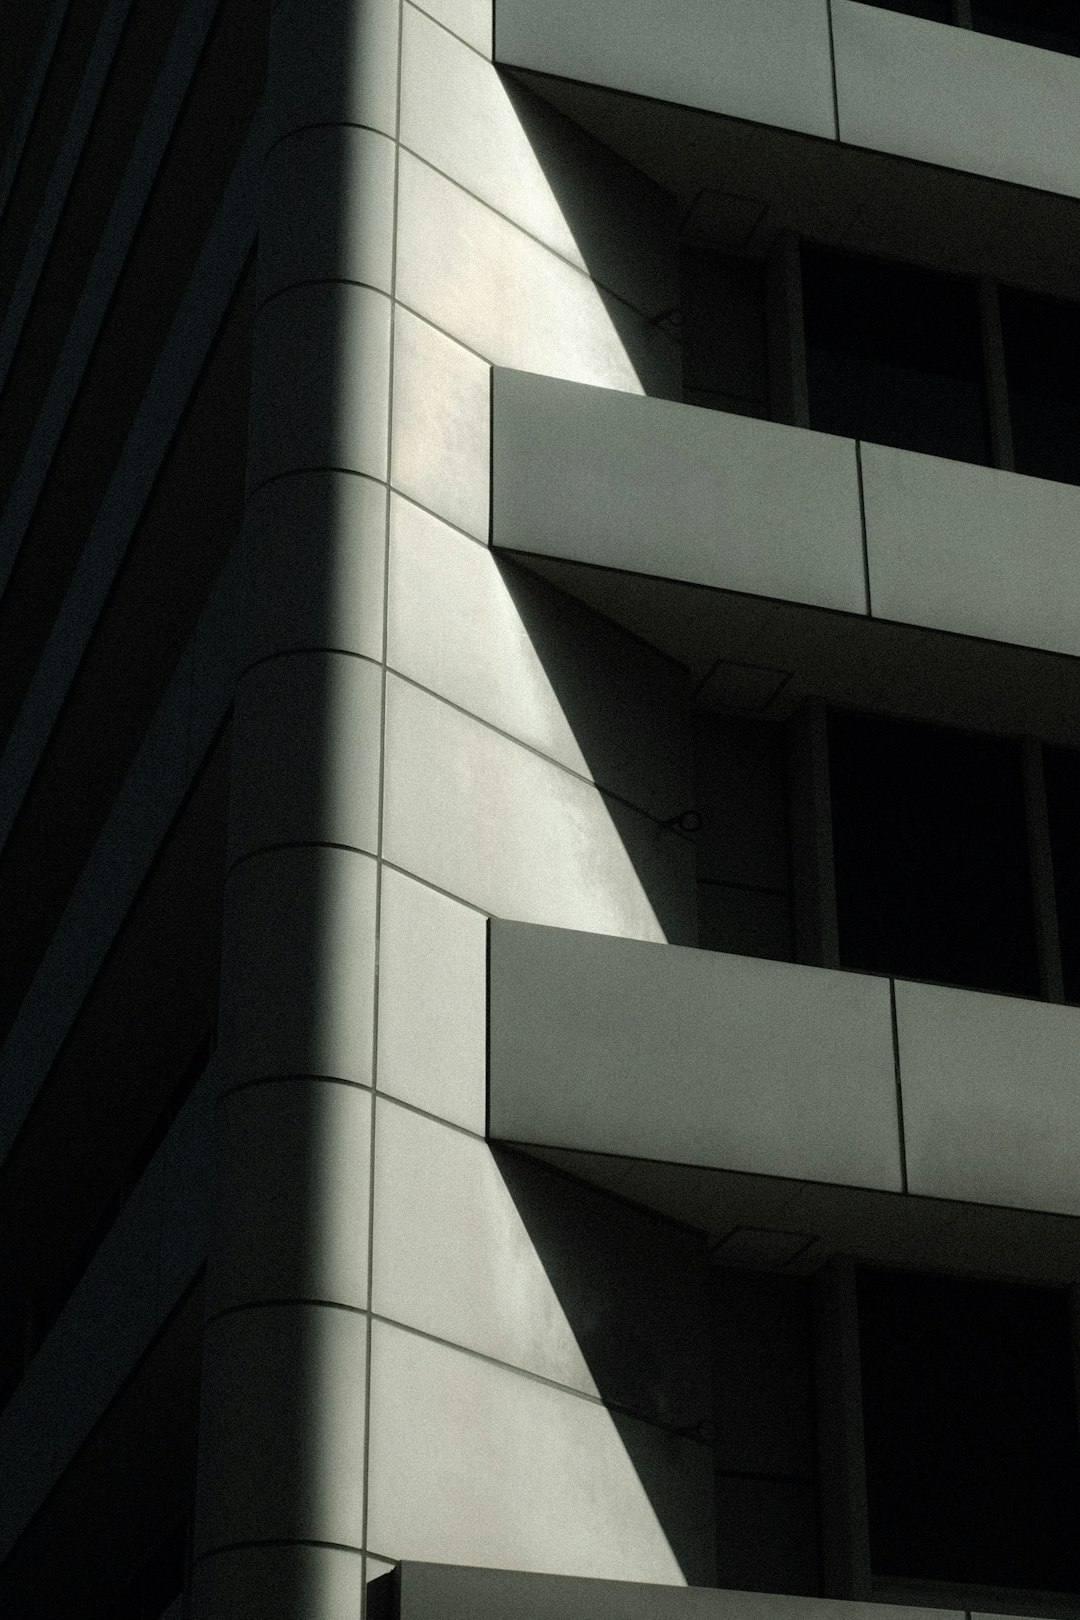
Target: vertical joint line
column 832, row 69
column 899, row 1087
column 862, row 526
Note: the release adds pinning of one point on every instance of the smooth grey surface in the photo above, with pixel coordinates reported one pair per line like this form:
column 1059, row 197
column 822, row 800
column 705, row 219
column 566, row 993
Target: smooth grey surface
column 297, row 976
column 321, row 383
column 485, row 282
column 333, row 65
column 281, row 1445
column 497, row 642
column 615, row 1046
column 471, row 1460
column 483, row 817
column 469, row 19
column 328, row 210
column 596, row 476
column 315, row 545
column 506, row 1259
column 432, row 990
column 441, row 455
column 280, row 1582
column 306, row 732
column 523, row 159
column 954, row 97
column 971, row 549
column 991, row 1110
column 431, row 1591
column 766, row 60
column 292, row 1221
column 143, row 1266
column 458, row 1262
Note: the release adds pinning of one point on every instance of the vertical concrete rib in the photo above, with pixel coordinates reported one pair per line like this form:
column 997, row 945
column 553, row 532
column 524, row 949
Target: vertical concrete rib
column 280, row 1497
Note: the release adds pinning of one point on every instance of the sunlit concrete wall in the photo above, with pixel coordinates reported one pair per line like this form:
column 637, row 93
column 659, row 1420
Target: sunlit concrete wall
column 417, row 1349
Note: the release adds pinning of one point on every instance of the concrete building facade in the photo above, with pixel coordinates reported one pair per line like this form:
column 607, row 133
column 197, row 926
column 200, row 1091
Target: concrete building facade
column 539, row 809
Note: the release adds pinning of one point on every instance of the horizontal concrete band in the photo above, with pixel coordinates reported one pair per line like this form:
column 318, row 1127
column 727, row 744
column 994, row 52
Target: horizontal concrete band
column 677, row 492
column 862, row 75
column 433, row 1591
column 677, row 1056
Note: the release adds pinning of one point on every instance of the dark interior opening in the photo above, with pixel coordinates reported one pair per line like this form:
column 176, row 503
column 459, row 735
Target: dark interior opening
column 972, row 1443
column 1062, row 775
column 1052, row 24
column 930, row 847
column 1042, row 364
column 894, row 355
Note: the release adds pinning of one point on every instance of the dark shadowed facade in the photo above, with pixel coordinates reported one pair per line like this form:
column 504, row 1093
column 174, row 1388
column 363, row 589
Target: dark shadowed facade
column 539, row 809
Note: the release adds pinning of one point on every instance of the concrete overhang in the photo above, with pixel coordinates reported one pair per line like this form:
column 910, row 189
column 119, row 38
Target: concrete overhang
column 414, row 1591
column 944, row 146
column 776, row 563
column 790, row 1112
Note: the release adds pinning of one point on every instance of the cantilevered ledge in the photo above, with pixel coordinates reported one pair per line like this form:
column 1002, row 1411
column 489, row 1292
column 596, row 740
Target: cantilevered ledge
column 731, row 543
column 749, row 1096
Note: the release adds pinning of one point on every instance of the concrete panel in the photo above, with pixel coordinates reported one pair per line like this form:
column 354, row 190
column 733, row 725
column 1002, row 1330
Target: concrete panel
column 279, row 1583
column 612, row 1046
column 959, row 99
column 327, row 210
column 652, row 487
column 321, row 383
column 315, row 546
column 522, row 158
column 333, row 65
column 432, row 994
column 470, row 20
column 430, row 1592
column 766, row 60
column 470, row 1460
column 299, row 964
column 292, row 1221
column 484, row 281
column 990, row 1100
column 483, row 817
column 306, row 735
column 957, row 547
column 283, row 1413
column 458, row 1263
column 510, row 649
column 441, row 425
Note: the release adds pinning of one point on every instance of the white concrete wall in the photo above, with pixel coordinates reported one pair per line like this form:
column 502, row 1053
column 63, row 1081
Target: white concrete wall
column 406, row 1355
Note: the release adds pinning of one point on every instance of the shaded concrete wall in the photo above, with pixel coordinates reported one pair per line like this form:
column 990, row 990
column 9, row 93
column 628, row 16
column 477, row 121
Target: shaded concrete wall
column 415, row 1348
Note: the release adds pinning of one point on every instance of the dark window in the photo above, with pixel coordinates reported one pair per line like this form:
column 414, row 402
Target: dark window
column 930, row 841
column 725, row 359
column 894, row 355
column 1042, row 363
column 972, row 1443
column 1053, row 24
column 1062, row 767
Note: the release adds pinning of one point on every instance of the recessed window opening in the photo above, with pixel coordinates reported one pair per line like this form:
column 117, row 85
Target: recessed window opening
column 972, row 1445
column 1054, row 25
column 1042, row 363
column 894, row 355
column 931, row 855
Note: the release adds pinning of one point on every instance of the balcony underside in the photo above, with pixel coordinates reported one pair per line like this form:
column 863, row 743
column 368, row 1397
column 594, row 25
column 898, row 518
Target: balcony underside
column 778, row 1108
column 776, row 563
